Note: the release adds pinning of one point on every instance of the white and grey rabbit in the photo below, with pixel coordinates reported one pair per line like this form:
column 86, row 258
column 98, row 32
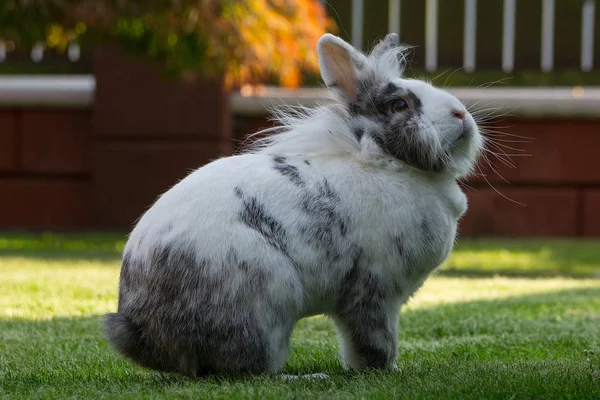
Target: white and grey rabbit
column 344, row 212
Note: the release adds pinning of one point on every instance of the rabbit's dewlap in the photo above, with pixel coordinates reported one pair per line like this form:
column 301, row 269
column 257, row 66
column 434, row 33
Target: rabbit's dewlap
column 344, row 212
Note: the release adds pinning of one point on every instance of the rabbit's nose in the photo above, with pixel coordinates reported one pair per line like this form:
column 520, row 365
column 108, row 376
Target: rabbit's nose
column 460, row 114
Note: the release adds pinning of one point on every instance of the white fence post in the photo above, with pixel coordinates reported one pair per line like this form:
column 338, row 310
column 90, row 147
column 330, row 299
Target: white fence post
column 431, row 35
column 470, row 35
column 37, row 53
column 588, row 12
column 394, row 17
column 357, row 23
column 508, row 36
column 74, row 52
column 547, row 62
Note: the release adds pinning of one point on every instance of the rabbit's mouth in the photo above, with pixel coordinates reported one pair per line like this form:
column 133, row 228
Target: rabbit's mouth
column 466, row 131
column 462, row 135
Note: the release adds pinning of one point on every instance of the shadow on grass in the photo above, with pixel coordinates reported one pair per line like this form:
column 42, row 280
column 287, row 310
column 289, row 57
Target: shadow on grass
column 85, row 246
column 81, row 241
column 57, row 256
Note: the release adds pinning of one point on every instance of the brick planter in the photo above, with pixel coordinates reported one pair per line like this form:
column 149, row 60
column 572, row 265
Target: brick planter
column 44, row 169
column 101, row 164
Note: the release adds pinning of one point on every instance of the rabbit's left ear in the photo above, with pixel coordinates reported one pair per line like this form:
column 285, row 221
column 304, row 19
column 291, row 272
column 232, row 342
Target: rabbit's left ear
column 390, row 41
column 339, row 62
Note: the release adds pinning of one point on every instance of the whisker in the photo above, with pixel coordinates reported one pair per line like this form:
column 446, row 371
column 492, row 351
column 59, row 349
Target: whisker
column 495, row 133
column 497, row 191
column 463, row 183
column 488, row 84
column 496, row 127
column 449, row 76
column 471, row 106
column 491, row 112
column 490, row 164
column 439, row 75
column 504, row 159
column 505, row 146
column 503, row 153
column 497, row 139
column 518, row 155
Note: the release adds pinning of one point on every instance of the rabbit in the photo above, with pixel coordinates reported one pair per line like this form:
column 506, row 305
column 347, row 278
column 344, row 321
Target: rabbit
column 344, row 211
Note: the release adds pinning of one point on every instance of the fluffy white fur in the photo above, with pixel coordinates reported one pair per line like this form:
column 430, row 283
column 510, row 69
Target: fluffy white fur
column 315, row 219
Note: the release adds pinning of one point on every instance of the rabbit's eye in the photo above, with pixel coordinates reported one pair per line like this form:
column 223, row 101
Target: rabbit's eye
column 398, row 105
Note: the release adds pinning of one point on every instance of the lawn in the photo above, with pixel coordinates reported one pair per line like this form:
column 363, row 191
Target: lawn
column 502, row 319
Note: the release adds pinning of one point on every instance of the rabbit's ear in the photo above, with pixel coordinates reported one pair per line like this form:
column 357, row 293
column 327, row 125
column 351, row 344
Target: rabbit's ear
column 339, row 63
column 389, row 42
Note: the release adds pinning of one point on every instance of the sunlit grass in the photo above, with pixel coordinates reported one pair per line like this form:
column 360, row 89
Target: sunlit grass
column 577, row 258
column 523, row 321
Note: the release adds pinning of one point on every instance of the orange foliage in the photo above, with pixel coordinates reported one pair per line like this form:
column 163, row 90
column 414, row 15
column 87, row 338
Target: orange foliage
column 245, row 41
column 273, row 37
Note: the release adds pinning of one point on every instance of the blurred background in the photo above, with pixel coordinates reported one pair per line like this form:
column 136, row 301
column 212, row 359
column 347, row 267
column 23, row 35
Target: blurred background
column 105, row 105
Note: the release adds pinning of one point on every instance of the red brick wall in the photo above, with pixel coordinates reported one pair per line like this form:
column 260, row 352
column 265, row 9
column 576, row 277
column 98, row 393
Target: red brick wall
column 45, row 169
column 149, row 132
column 558, row 182
column 101, row 168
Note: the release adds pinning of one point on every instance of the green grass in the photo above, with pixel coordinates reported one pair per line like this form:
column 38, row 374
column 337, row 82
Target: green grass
column 502, row 319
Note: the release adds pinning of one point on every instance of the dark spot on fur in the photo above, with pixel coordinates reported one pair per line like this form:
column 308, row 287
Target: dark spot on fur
column 403, row 140
column 415, row 102
column 343, row 227
column 389, row 90
column 359, row 132
column 127, row 272
column 306, row 162
column 287, row 170
column 406, row 258
column 238, row 192
column 378, row 140
column 326, row 190
column 257, row 279
column 178, row 263
column 255, row 216
column 427, row 232
column 360, row 291
column 361, row 311
column 355, row 108
column 396, row 133
column 322, row 205
column 243, row 266
column 181, row 317
column 350, row 282
column 389, row 93
column 254, row 276
column 399, row 245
